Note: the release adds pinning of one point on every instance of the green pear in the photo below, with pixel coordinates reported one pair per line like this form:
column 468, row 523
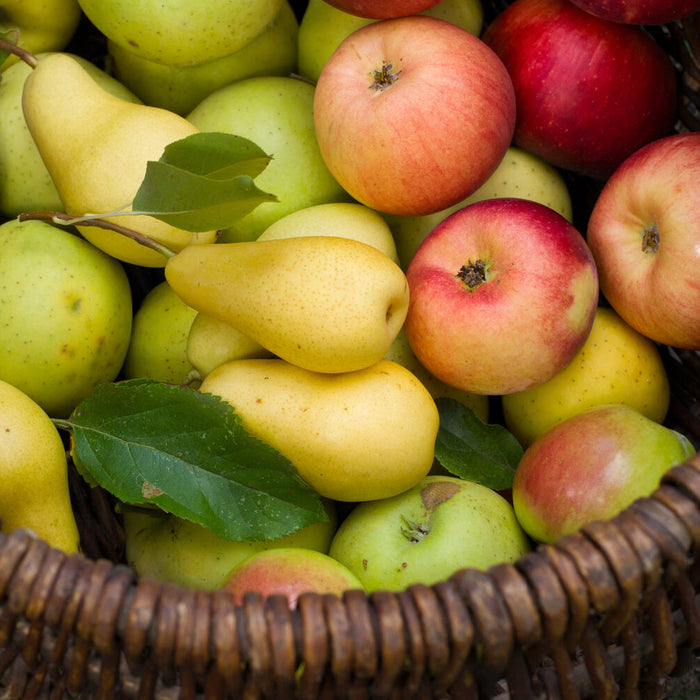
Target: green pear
column 181, row 32
column 25, row 183
column 327, row 304
column 65, row 314
column 96, row 147
column 353, row 436
column 34, row 492
column 173, row 550
column 181, row 88
column 158, row 345
column 211, row 342
column 275, row 112
column 323, row 27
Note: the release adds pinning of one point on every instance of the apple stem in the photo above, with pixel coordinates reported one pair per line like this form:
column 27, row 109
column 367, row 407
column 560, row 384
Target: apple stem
column 29, row 58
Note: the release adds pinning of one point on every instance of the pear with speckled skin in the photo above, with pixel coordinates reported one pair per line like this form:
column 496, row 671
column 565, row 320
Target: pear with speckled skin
column 323, row 303
column 34, row 493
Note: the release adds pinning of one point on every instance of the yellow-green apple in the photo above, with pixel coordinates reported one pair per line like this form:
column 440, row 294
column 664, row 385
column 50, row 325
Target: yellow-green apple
column 615, row 365
column 181, row 88
column 323, row 27
column 502, row 295
column 290, row 572
column 589, row 91
column 644, row 232
column 413, row 114
column 382, row 9
column 276, row 113
column 591, row 466
column 180, row 33
column 44, row 25
column 640, row 11
column 427, row 533
column 519, row 174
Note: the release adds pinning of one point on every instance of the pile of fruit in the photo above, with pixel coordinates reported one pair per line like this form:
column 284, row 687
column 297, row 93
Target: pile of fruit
column 304, row 286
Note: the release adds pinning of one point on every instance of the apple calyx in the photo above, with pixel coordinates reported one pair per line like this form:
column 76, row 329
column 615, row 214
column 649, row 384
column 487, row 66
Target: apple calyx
column 384, row 77
column 650, row 239
column 473, row 274
column 432, row 496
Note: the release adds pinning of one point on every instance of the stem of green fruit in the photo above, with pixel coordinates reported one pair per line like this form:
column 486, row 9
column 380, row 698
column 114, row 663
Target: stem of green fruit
column 29, row 58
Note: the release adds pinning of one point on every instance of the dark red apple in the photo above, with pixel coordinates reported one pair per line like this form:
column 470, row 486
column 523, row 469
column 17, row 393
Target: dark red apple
column 640, row 11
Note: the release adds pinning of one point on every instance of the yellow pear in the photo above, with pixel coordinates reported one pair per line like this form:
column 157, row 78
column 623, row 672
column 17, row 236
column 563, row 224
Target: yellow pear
column 96, row 147
column 355, row 436
column 34, row 493
column 326, row 304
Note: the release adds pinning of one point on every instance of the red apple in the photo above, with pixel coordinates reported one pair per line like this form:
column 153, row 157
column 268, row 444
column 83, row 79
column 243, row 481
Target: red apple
column 589, row 92
column 502, row 295
column 590, row 467
column 640, row 11
column 644, row 232
column 289, row 571
column 382, row 9
column 413, row 114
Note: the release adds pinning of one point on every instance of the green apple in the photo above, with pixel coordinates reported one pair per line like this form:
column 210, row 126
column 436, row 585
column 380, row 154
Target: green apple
column 181, row 33
column 25, row 183
column 65, row 314
column 179, row 551
column 323, row 27
column 591, row 466
column 342, row 219
column 426, row 533
column 44, row 25
column 275, row 112
column 616, row 364
column 158, row 345
column 181, row 88
column 519, row 174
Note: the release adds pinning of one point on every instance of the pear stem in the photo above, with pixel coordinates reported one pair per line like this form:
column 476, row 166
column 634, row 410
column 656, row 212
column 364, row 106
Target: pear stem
column 29, row 58
column 57, row 217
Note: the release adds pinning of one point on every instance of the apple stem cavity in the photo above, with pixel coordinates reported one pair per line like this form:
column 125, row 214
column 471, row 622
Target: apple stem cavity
column 384, row 77
column 473, row 274
column 650, row 239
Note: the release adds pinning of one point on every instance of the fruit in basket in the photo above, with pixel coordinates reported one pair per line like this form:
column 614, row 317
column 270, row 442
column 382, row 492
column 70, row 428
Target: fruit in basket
column 44, row 25
column 589, row 92
column 25, row 183
column 276, row 113
column 327, row 304
column 644, row 232
column 355, row 436
column 519, row 174
column 413, row 114
column 181, row 33
column 382, row 9
column 174, row 550
column 34, row 493
column 181, row 88
column 96, row 147
column 290, row 572
column 615, row 365
column 65, row 314
column 426, row 533
column 323, row 27
column 640, row 11
column 591, row 466
column 502, row 296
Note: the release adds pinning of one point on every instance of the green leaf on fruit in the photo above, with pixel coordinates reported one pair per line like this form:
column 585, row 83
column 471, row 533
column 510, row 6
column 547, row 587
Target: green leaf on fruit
column 485, row 453
column 186, row 452
column 11, row 36
column 203, row 182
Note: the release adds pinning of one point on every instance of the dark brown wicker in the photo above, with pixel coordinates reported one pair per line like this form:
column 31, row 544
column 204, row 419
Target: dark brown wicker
column 608, row 612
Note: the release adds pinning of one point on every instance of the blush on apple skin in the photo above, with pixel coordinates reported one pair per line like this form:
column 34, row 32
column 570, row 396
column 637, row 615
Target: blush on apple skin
column 382, row 9
column 649, row 12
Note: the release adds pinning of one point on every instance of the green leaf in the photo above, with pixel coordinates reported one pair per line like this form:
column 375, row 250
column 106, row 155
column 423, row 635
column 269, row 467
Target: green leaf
column 11, row 36
column 471, row 449
column 203, row 182
column 186, row 452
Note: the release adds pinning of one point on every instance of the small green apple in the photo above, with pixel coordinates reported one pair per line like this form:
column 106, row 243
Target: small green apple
column 519, row 174
column 65, row 314
column 181, row 88
column 591, row 466
column 616, row 364
column 275, row 112
column 427, row 533
column 158, row 345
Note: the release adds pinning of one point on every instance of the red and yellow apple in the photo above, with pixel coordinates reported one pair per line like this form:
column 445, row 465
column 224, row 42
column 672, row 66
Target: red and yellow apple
column 382, row 9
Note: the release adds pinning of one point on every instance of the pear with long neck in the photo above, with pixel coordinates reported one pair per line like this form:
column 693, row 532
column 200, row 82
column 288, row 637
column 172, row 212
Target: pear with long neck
column 96, row 147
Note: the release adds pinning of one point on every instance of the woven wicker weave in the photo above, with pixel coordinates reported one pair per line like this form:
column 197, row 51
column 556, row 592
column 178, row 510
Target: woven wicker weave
column 608, row 612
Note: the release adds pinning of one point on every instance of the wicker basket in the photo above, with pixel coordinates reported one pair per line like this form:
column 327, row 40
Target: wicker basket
column 610, row 611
